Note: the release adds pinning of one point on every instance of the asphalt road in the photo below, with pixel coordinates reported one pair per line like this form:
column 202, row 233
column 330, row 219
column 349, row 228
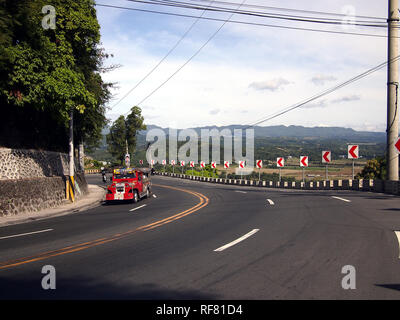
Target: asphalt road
column 194, row 240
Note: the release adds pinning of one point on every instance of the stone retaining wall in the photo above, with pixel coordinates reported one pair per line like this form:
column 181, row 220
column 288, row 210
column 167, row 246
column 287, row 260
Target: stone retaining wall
column 24, row 163
column 32, row 180
column 30, row 195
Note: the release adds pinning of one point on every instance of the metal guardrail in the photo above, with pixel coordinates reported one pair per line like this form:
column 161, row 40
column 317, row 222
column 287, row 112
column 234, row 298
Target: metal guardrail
column 381, row 186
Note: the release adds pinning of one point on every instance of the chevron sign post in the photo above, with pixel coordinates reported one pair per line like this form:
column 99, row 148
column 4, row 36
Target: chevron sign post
column 214, row 165
column 242, row 164
column 202, row 166
column 326, row 158
column 280, row 163
column 303, row 164
column 352, row 153
column 226, row 166
column 173, row 166
column 259, row 166
column 191, row 163
column 182, row 165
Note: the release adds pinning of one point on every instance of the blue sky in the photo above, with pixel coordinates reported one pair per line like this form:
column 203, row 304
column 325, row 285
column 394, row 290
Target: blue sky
column 246, row 72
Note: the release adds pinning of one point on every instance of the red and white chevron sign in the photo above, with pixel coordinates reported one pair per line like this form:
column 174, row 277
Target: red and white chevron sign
column 397, row 145
column 226, row 164
column 202, row 164
column 304, row 161
column 164, row 162
column 213, row 165
column 182, row 163
column 192, row 164
column 326, row 156
column 172, row 162
column 141, row 161
column 153, row 162
column 280, row 162
column 352, row 151
column 242, row 164
column 259, row 164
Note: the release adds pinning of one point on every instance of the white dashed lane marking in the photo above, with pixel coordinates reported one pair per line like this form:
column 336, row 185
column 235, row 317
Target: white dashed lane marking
column 25, row 234
column 230, row 244
column 138, row 207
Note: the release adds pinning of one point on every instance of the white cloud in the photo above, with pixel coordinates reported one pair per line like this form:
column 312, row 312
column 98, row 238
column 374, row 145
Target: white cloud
column 353, row 97
column 241, row 55
column 321, row 79
column 214, row 111
column 271, row 85
column 318, row 104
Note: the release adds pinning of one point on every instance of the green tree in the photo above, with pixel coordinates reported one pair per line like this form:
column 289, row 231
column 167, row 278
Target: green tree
column 125, row 130
column 48, row 72
column 374, row 169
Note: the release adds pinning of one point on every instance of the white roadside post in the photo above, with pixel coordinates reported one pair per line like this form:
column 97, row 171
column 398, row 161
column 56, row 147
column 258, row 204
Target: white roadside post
column 326, row 158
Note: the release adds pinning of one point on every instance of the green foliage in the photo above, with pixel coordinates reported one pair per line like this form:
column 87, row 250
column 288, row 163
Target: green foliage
column 51, row 71
column 93, row 164
column 125, row 130
column 374, row 169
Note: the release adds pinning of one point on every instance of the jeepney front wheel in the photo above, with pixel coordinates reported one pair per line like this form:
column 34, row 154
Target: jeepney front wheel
column 135, row 196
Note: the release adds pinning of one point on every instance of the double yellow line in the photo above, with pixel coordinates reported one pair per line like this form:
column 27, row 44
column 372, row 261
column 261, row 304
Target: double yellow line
column 81, row 246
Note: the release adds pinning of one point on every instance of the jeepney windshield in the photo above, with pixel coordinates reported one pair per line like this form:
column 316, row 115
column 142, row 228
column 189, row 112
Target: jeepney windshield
column 125, row 176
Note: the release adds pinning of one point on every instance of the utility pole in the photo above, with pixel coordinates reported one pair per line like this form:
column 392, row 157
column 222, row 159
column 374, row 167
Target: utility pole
column 392, row 88
column 71, row 183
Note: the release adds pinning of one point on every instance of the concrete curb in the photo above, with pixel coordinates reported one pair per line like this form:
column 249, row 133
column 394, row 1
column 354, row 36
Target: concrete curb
column 93, row 199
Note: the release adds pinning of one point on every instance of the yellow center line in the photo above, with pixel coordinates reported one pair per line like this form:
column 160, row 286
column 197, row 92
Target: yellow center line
column 85, row 245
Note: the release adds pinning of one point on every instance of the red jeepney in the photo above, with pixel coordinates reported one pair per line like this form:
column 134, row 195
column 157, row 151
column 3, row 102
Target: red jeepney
column 128, row 184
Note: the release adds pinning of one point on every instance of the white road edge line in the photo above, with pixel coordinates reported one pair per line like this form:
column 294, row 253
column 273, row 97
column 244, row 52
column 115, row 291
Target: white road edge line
column 138, row 207
column 397, row 233
column 339, row 198
column 240, row 191
column 270, row 202
column 154, row 196
column 230, row 244
column 25, row 234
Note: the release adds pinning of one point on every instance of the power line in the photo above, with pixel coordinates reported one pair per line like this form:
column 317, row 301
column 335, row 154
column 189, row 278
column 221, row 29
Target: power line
column 162, row 60
column 290, row 9
column 186, row 5
column 323, row 93
column 243, row 22
column 190, row 59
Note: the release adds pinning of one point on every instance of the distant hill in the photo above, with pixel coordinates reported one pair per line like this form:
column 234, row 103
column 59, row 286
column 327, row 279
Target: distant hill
column 273, row 141
column 299, row 132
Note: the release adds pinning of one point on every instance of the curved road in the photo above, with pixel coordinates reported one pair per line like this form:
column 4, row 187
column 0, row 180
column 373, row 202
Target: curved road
column 194, row 240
